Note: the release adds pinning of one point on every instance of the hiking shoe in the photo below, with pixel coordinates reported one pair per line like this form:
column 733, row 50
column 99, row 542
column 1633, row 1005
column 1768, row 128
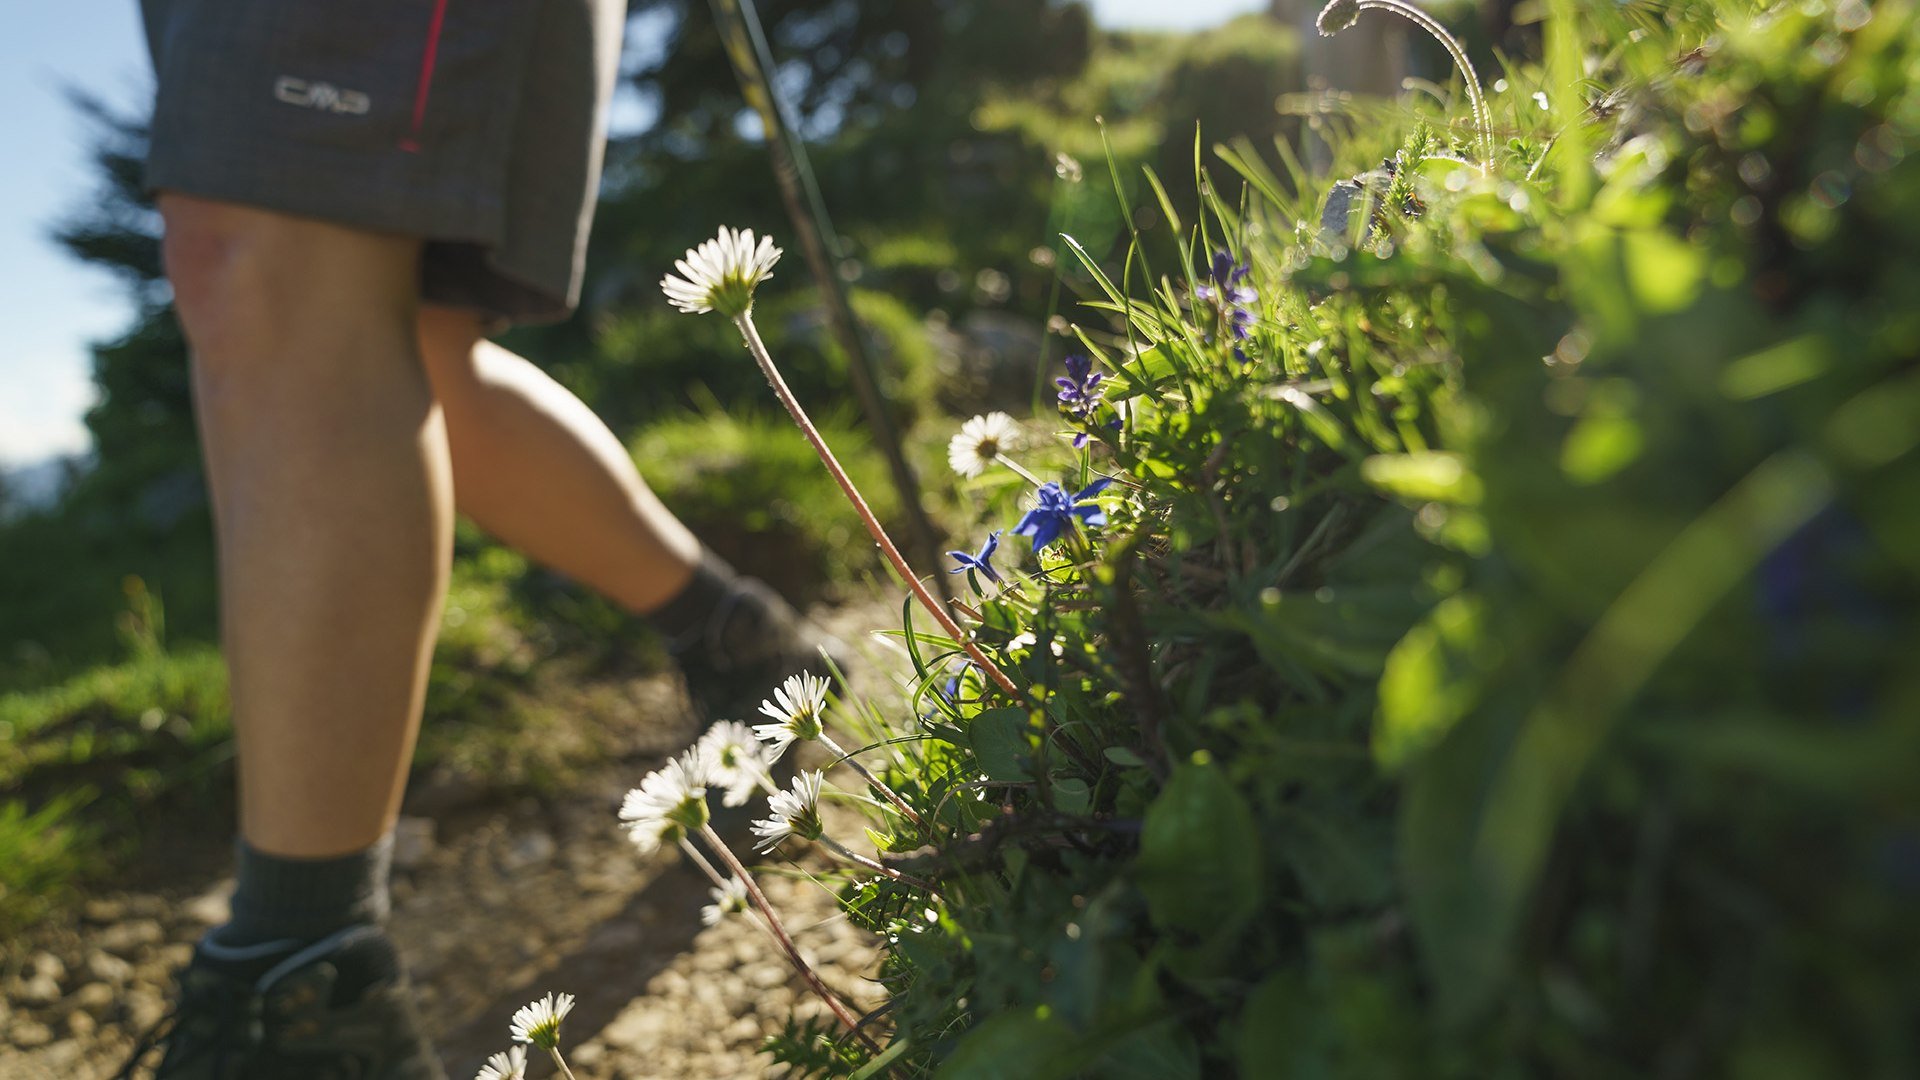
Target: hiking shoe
column 753, row 640
column 338, row 1009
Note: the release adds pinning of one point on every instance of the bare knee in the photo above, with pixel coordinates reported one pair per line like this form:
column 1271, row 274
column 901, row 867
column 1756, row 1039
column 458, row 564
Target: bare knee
column 245, row 278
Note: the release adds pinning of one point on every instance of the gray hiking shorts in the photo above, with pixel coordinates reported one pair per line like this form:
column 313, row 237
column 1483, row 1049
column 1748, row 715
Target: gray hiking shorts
column 475, row 125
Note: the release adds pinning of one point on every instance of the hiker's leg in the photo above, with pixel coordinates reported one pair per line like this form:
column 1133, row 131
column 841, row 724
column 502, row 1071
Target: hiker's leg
column 327, row 463
column 535, row 467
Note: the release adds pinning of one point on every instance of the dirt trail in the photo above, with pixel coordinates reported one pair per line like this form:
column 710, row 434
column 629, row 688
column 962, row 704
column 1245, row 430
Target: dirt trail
column 495, row 903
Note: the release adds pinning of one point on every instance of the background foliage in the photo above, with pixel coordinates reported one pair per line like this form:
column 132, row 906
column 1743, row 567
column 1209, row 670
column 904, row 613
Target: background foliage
column 1505, row 669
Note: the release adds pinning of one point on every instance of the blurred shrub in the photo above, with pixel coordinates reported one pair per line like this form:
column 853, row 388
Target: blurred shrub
column 81, row 761
column 86, row 761
column 44, row 854
column 750, row 486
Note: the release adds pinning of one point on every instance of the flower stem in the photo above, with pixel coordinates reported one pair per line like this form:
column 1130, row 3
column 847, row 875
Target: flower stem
column 693, row 853
column 780, row 934
column 1018, row 469
column 562, row 1062
column 721, row 882
column 744, row 321
column 875, row 865
column 873, row 781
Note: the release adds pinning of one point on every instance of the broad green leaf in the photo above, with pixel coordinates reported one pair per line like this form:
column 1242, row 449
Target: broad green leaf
column 1200, row 856
column 1071, row 796
column 1024, row 1044
column 1432, row 678
column 1158, row 1052
column 999, row 738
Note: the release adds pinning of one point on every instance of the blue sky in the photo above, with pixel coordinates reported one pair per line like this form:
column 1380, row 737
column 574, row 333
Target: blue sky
column 50, row 306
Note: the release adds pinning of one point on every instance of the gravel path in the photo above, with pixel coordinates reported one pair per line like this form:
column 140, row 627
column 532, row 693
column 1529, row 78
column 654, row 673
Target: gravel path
column 494, row 904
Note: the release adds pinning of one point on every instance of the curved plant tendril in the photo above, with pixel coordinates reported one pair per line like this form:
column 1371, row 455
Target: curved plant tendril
column 1340, row 14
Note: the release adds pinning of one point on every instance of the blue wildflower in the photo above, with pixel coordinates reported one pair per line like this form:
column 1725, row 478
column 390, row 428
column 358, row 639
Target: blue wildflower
column 1228, row 288
column 982, row 562
column 1227, row 276
column 951, row 690
column 1080, row 392
column 1055, row 512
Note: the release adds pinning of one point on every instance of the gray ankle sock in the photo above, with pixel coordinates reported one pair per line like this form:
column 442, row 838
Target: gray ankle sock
column 286, row 899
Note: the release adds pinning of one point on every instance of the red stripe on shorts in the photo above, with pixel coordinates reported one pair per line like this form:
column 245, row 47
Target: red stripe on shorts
column 411, row 143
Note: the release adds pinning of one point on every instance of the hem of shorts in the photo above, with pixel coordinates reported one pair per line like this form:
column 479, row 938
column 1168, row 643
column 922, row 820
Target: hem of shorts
column 231, row 172
column 432, row 218
column 546, row 303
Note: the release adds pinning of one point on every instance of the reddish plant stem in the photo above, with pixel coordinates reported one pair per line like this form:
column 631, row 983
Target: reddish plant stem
column 744, row 321
column 806, row 971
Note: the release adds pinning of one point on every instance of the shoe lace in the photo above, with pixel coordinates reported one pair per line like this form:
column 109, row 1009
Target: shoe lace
column 225, row 1006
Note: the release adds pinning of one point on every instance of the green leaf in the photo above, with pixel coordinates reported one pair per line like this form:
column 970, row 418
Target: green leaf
column 1479, row 819
column 1432, row 678
column 1122, row 757
column 1199, row 863
column 1159, row 1052
column 1430, row 476
column 878, row 1066
column 1025, row 1044
column 1342, row 859
column 1663, row 272
column 1779, row 367
column 1600, row 445
column 1319, row 423
column 1071, row 796
column 1278, row 1034
column 999, row 738
column 1093, row 267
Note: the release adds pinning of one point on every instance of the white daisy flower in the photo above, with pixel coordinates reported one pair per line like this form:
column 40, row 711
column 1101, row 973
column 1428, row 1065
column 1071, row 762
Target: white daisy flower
column 795, row 813
column 510, row 1064
column 980, row 443
column 539, row 1022
column 727, row 899
column 652, row 834
column 720, row 275
column 796, row 707
column 669, row 801
column 736, row 761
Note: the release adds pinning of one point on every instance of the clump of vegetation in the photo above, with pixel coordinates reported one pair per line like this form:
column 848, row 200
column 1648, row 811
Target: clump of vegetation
column 1477, row 641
